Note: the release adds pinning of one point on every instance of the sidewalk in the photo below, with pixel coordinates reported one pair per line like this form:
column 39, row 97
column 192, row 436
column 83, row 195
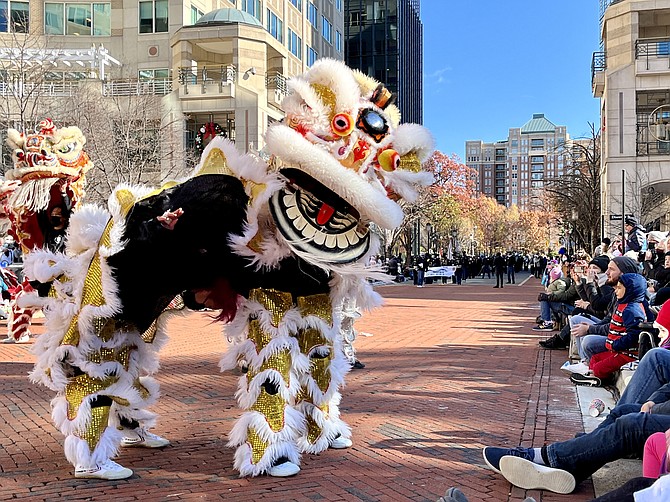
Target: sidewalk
column 450, row 369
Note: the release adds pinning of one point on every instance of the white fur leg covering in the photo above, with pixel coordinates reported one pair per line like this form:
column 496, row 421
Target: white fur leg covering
column 258, row 446
column 323, row 424
column 78, row 453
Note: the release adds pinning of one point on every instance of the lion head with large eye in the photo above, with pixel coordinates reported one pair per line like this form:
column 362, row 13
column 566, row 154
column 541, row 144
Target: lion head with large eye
column 49, row 152
column 346, row 160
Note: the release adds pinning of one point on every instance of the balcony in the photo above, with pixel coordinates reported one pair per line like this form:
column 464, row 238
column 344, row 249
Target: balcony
column 209, row 81
column 134, row 87
column 277, row 88
column 652, row 55
column 598, row 67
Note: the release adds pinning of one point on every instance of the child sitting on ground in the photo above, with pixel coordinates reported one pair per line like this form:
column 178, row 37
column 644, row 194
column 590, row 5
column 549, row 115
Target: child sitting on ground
column 622, row 339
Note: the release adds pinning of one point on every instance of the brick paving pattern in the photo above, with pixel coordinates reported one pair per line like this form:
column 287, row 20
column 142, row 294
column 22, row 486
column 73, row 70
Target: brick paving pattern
column 450, row 369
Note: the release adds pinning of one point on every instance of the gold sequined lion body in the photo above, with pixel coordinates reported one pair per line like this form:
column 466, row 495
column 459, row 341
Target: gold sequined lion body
column 278, row 245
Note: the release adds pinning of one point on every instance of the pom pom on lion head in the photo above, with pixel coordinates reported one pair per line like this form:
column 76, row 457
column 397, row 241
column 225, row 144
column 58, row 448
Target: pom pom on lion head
column 345, row 156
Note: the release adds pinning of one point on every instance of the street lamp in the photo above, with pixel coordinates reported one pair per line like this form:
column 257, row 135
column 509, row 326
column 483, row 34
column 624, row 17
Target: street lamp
column 454, row 237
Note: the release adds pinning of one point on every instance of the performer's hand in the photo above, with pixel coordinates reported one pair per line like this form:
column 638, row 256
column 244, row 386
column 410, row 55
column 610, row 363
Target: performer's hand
column 169, row 218
column 646, row 407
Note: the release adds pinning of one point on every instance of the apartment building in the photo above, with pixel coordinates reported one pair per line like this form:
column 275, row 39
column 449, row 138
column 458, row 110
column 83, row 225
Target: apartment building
column 384, row 39
column 513, row 171
column 215, row 61
column 631, row 76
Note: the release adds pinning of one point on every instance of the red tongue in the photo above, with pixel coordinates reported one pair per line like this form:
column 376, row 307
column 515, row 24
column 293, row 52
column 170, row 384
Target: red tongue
column 325, row 214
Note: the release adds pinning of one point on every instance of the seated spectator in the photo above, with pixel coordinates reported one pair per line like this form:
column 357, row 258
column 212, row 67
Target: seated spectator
column 622, row 339
column 655, row 255
column 559, row 299
column 595, row 294
column 643, row 410
column 590, row 335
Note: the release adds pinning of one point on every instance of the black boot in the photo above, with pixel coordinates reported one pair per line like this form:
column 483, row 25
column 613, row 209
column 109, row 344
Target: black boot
column 554, row 343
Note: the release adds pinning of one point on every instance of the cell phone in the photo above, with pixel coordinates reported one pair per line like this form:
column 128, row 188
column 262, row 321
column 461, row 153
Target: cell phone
column 579, row 270
column 652, row 245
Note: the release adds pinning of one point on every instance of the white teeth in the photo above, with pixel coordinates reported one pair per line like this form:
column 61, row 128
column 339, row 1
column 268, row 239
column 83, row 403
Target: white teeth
column 331, row 241
column 300, row 223
column 309, row 232
column 319, row 238
column 293, row 212
column 289, row 200
column 342, row 241
column 352, row 236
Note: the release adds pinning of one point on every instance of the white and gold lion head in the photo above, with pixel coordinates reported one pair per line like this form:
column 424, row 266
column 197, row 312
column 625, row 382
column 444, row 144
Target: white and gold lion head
column 49, row 152
column 346, row 159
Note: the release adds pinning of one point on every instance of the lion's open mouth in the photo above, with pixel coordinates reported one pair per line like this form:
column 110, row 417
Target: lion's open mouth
column 316, row 220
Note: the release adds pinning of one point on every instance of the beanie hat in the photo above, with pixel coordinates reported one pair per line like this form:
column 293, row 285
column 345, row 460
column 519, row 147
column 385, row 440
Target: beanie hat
column 626, row 265
column 631, row 221
column 555, row 273
column 656, row 236
column 663, row 317
column 607, row 240
column 601, row 262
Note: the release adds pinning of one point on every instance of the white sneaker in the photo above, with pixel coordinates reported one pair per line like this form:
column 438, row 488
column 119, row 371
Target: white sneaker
column 107, row 470
column 579, row 367
column 25, row 338
column 141, row 437
column 284, row 470
column 340, row 443
column 530, row 476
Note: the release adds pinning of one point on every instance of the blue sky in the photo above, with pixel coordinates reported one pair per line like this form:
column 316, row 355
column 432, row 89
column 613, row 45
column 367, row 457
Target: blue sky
column 489, row 65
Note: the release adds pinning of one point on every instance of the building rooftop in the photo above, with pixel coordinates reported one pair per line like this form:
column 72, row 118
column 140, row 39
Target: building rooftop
column 537, row 124
column 227, row 16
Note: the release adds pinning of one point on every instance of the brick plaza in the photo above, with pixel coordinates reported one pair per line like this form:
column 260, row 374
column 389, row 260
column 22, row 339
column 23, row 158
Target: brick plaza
column 450, row 369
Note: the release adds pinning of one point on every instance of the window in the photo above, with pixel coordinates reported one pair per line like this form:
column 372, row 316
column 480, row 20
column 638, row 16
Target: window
column 338, row 41
column 327, row 29
column 78, row 19
column 297, row 4
column 311, row 56
column 294, row 44
column 312, row 14
column 195, row 14
column 338, row 5
column 154, row 16
column 157, row 74
column 14, row 16
column 275, row 26
column 253, row 7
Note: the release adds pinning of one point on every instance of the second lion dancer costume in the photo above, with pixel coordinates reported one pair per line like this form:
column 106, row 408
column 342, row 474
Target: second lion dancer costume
column 277, row 245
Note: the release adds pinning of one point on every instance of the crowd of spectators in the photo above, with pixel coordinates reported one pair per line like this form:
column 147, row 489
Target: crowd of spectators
column 609, row 310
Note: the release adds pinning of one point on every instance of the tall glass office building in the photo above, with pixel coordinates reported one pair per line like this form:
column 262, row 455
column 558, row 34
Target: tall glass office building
column 384, row 39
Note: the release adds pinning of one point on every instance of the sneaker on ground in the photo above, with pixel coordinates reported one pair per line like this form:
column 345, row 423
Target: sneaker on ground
column 107, row 470
column 580, row 367
column 453, row 495
column 25, row 338
column 284, row 470
column 531, row 476
column 554, row 343
column 587, row 380
column 544, row 326
column 340, row 443
column 141, row 437
column 493, row 454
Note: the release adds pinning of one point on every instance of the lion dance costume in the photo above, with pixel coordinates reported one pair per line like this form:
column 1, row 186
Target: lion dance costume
column 38, row 196
column 277, row 245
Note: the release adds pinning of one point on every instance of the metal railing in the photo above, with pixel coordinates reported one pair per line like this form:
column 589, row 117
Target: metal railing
column 277, row 81
column 135, row 87
column 649, row 49
column 17, row 88
column 598, row 64
column 220, row 76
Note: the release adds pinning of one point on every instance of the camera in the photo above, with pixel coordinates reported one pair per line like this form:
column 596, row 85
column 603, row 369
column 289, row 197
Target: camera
column 651, row 246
